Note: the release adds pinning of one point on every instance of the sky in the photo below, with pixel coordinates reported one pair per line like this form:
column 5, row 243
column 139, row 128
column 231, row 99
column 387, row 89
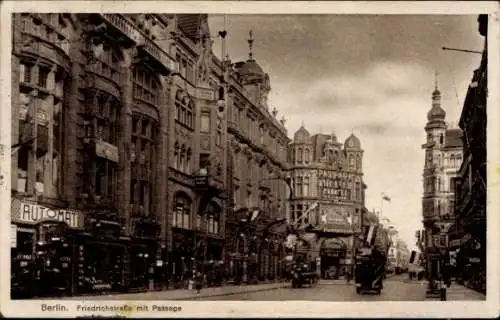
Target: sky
column 371, row 75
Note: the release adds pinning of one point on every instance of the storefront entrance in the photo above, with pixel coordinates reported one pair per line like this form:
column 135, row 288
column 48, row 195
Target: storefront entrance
column 332, row 253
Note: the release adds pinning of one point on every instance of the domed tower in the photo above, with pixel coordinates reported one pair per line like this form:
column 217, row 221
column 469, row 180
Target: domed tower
column 253, row 78
column 301, row 147
column 354, row 153
column 435, row 130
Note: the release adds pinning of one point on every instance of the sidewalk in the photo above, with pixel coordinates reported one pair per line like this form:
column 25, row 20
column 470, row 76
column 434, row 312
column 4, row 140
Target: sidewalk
column 457, row 292
column 184, row 294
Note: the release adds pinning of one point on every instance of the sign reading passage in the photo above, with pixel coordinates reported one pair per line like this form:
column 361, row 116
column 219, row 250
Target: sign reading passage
column 32, row 213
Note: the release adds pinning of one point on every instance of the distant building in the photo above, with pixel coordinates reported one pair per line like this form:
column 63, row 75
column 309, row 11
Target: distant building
column 443, row 156
column 328, row 173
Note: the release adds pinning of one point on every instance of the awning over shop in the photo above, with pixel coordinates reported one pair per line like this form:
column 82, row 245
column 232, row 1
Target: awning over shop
column 333, row 247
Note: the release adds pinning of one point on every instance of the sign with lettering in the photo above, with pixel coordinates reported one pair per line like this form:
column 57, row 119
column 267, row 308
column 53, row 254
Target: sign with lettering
column 32, row 213
column 205, row 94
column 106, row 150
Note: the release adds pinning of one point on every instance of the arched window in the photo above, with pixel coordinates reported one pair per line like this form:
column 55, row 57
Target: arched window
column 306, row 155
column 441, row 138
column 300, row 156
column 182, row 211
column 459, row 160
column 298, row 188
column 306, row 186
column 439, row 184
column 330, row 156
column 184, row 107
column 351, row 161
column 188, row 161
column 452, row 160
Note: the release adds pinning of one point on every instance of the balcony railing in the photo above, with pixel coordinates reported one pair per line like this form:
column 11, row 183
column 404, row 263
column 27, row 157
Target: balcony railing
column 123, row 25
column 166, row 62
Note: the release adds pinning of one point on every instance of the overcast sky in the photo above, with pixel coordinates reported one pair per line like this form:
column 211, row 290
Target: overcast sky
column 368, row 74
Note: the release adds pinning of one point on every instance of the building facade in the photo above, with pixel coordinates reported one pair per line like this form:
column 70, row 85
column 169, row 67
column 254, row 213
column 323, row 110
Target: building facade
column 468, row 238
column 443, row 156
column 138, row 160
column 257, row 166
column 327, row 176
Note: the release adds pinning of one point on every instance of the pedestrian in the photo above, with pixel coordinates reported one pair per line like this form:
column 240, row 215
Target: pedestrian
column 198, row 281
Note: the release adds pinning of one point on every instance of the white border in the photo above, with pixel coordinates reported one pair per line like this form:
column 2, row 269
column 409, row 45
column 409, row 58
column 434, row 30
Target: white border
column 301, row 309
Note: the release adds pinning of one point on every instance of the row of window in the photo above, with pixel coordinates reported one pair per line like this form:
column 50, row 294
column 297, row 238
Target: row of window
column 257, row 132
column 436, row 184
column 298, row 211
column 146, row 86
column 453, row 161
column 182, row 158
column 51, row 31
column 27, row 75
column 183, row 207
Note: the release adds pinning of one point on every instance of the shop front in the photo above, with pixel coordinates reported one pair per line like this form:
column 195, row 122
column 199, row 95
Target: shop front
column 144, row 268
column 181, row 262
column 42, row 247
column 236, row 256
column 103, row 254
column 333, row 253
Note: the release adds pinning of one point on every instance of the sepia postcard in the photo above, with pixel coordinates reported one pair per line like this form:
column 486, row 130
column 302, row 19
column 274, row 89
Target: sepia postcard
column 249, row 159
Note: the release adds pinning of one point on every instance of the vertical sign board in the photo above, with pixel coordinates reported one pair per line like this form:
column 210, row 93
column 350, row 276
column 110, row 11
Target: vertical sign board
column 13, row 236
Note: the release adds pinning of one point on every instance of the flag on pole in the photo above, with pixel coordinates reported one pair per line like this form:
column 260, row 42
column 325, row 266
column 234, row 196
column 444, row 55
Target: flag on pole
column 372, row 233
column 385, row 197
column 415, row 257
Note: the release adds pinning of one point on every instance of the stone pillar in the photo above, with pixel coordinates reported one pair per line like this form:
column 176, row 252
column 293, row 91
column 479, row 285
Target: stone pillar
column 72, row 106
column 161, row 192
column 124, row 139
column 15, row 100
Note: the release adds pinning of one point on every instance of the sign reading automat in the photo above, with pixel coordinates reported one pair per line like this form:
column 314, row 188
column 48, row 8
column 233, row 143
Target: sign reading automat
column 32, row 213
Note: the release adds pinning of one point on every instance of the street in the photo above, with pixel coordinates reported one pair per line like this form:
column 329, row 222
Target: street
column 396, row 288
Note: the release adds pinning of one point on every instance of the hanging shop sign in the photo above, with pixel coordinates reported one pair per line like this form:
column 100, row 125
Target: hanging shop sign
column 106, row 150
column 32, row 213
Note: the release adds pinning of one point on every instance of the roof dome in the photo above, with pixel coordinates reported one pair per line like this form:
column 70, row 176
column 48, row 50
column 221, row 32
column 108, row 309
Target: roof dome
column 352, row 142
column 436, row 113
column 251, row 67
column 302, row 135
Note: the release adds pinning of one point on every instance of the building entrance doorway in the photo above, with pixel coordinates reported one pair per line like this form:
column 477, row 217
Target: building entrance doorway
column 330, row 267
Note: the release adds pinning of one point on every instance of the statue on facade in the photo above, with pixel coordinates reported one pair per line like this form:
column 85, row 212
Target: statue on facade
column 204, row 60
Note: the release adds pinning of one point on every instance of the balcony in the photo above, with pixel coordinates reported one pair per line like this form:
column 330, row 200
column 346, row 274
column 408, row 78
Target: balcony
column 124, row 27
column 157, row 56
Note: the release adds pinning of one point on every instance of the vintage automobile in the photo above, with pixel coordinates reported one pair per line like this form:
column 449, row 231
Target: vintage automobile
column 370, row 271
column 304, row 273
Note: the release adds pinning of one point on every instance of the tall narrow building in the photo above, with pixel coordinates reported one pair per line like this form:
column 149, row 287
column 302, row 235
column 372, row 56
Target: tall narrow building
column 443, row 155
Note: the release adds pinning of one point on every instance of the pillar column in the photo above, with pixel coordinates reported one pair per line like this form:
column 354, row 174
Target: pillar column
column 124, row 140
